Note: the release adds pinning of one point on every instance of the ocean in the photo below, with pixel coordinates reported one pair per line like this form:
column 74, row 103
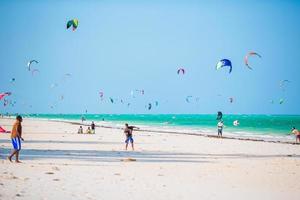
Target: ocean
column 267, row 127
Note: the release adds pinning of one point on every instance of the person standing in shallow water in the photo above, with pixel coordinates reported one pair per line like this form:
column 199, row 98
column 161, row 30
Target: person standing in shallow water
column 220, row 126
column 16, row 137
column 93, row 127
column 129, row 137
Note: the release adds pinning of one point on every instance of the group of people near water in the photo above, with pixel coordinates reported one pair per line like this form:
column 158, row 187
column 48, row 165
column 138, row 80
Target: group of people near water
column 16, row 136
column 90, row 130
column 127, row 130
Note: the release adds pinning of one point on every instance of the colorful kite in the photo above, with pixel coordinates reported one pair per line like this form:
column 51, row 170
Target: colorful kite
column 251, row 53
column 73, row 23
column 2, row 95
column 224, row 63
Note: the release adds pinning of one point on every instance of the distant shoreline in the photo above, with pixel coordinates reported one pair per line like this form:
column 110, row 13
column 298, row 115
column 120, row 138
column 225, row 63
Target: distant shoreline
column 170, row 132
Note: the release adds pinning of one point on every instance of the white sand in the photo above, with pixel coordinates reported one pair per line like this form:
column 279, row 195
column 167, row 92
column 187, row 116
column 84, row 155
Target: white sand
column 60, row 164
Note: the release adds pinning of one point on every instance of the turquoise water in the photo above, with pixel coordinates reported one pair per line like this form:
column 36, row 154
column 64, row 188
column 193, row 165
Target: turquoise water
column 272, row 125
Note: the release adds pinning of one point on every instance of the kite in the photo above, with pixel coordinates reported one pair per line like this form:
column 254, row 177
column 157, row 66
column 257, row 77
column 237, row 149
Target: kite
column 73, row 23
column 181, row 70
column 149, row 106
column 111, row 100
column 30, row 62
column 220, row 115
column 53, row 85
column 34, row 71
column 156, row 103
column 2, row 95
column 67, row 75
column 231, row 100
column 12, row 80
column 139, row 92
column 283, row 83
column 5, row 103
column 2, row 130
column 187, row 99
column 224, row 63
column 12, row 103
column 132, row 94
column 101, row 94
column 281, row 101
column 142, row 92
column 251, row 53
column 236, row 123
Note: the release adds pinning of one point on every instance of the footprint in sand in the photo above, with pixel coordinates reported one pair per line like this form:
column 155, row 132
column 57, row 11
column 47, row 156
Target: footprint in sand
column 128, row 159
column 56, row 179
column 50, row 173
column 55, row 168
column 13, row 177
column 117, row 174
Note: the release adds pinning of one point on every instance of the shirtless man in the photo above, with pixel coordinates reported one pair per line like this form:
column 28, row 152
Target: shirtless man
column 16, row 137
column 128, row 132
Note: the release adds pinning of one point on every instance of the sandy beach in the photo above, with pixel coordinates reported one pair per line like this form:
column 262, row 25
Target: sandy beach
column 58, row 163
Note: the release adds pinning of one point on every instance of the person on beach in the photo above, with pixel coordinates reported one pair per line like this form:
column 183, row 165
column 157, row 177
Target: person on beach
column 128, row 132
column 93, row 127
column 220, row 128
column 88, row 131
column 16, row 137
column 80, row 130
column 296, row 133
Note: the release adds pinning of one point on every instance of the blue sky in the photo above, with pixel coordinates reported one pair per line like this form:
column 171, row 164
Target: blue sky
column 119, row 47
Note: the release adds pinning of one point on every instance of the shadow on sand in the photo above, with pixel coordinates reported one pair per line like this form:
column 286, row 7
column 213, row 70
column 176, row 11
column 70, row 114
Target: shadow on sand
column 140, row 156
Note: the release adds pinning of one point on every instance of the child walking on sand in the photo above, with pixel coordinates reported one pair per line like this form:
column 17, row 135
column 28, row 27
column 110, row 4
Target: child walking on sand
column 16, row 137
column 128, row 132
